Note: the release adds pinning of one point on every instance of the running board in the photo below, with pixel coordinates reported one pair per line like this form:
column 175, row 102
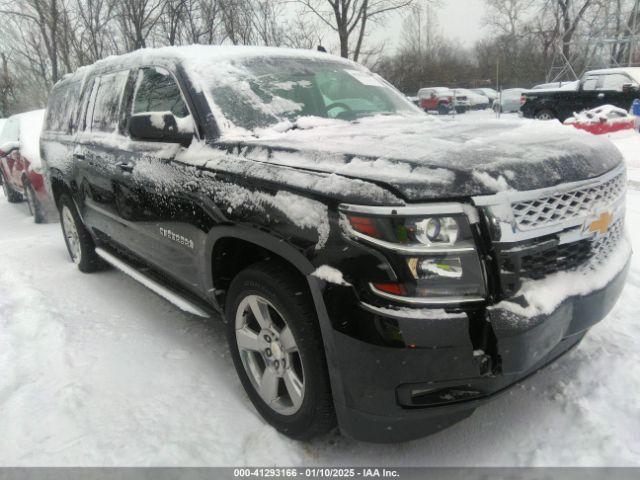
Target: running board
column 179, row 301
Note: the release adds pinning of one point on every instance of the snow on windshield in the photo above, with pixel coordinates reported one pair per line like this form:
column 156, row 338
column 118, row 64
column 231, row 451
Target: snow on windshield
column 258, row 92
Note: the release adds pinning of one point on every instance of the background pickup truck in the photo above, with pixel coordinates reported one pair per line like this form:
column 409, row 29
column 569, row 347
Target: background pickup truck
column 613, row 86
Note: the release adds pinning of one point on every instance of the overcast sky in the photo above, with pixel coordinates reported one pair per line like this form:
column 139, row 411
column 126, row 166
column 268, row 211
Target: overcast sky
column 459, row 19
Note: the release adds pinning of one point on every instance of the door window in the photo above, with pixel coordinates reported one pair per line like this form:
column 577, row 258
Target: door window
column 615, row 82
column 590, row 84
column 103, row 111
column 157, row 91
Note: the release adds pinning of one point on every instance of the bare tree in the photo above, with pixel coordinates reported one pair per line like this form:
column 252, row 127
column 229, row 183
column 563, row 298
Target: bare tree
column 351, row 18
column 137, row 19
column 95, row 37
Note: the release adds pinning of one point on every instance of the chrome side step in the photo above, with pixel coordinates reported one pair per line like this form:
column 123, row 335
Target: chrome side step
column 164, row 292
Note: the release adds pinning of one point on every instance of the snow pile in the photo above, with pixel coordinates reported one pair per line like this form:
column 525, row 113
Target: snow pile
column 603, row 114
column 628, row 143
column 30, row 129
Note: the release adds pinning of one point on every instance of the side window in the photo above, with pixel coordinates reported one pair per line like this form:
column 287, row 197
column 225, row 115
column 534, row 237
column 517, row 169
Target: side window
column 157, row 91
column 61, row 108
column 615, row 82
column 10, row 132
column 103, row 110
column 590, row 84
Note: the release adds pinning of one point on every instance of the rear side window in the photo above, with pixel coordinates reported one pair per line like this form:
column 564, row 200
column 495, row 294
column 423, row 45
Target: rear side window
column 157, row 91
column 103, row 110
column 11, row 131
column 61, row 109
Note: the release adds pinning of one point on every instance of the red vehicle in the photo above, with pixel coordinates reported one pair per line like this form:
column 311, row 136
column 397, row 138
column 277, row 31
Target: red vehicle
column 436, row 99
column 20, row 170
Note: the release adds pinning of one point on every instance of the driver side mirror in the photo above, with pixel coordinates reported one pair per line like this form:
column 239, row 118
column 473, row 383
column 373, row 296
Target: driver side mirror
column 161, row 127
column 630, row 87
column 8, row 147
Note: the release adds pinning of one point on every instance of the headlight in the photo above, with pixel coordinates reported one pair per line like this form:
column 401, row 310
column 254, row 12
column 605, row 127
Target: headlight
column 436, row 258
column 435, row 230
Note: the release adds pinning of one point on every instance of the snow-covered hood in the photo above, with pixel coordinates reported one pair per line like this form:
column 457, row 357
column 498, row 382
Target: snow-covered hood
column 425, row 158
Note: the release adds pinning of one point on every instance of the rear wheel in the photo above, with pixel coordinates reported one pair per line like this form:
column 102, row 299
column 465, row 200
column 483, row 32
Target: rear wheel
column 10, row 193
column 545, row 114
column 35, row 208
column 277, row 350
column 80, row 245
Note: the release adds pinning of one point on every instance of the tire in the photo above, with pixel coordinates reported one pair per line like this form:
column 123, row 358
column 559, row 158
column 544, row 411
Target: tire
column 545, row 114
column 80, row 245
column 10, row 193
column 461, row 109
column 35, row 207
column 443, row 109
column 262, row 356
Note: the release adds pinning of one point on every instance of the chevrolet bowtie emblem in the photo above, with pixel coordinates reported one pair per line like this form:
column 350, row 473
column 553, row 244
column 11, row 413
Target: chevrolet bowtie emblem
column 602, row 224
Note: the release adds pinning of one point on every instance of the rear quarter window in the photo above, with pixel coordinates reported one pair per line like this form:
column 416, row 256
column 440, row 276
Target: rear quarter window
column 11, row 131
column 62, row 107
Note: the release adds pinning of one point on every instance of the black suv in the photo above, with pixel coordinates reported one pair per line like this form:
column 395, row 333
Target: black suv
column 612, row 86
column 376, row 267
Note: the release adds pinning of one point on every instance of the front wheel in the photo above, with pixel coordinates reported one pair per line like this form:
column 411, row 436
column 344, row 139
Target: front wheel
column 80, row 245
column 277, row 349
column 545, row 115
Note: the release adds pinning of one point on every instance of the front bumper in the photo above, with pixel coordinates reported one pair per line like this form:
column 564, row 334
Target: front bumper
column 390, row 394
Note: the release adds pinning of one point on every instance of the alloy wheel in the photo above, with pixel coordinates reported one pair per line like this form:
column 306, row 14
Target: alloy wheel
column 71, row 234
column 269, row 354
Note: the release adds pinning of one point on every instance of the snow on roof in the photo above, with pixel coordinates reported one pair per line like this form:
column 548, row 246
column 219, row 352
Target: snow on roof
column 212, row 53
column 633, row 72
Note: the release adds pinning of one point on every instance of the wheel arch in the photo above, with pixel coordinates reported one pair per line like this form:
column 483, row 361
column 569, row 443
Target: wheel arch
column 282, row 250
column 231, row 249
column 58, row 186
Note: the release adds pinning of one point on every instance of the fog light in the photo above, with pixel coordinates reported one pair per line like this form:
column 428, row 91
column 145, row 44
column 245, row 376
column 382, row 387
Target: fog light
column 429, row 268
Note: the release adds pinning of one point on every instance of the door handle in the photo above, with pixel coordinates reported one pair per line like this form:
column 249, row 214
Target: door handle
column 125, row 166
column 601, row 95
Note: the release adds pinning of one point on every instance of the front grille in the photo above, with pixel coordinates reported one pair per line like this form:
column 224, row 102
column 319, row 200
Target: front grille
column 605, row 245
column 541, row 258
column 553, row 209
column 559, row 258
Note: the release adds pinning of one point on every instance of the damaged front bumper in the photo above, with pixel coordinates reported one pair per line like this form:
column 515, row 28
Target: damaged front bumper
column 439, row 375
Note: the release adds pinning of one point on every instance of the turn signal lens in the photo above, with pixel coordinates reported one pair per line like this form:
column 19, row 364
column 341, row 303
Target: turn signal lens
column 392, row 288
column 364, row 225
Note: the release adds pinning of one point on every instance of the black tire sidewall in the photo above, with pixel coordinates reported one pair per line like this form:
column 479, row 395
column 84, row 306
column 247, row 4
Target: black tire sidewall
column 252, row 281
column 89, row 260
column 545, row 110
column 12, row 195
column 33, row 203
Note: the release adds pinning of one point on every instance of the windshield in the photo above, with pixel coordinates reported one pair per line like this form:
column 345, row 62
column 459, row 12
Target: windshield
column 260, row 92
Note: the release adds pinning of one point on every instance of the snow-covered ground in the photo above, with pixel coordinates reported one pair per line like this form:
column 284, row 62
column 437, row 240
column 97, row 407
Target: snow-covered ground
column 97, row 370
